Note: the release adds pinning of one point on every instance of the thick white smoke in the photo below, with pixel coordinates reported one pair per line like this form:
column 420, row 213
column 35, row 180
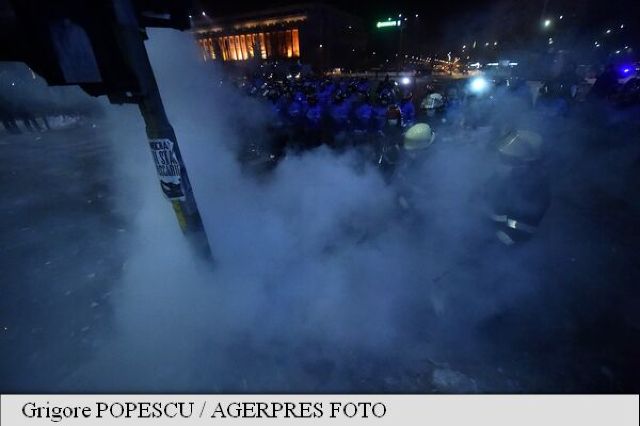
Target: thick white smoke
column 319, row 283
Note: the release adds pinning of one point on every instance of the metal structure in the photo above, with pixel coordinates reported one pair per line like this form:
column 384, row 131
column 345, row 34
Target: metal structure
column 99, row 45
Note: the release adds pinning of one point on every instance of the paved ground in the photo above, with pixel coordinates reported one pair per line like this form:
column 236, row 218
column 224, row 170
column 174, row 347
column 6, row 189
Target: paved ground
column 58, row 229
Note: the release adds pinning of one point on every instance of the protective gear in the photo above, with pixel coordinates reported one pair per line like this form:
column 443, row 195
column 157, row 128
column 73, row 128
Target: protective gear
column 518, row 193
column 432, row 102
column 419, row 136
column 521, row 146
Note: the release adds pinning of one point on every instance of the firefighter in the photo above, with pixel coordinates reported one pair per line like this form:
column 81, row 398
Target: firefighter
column 518, row 193
column 399, row 156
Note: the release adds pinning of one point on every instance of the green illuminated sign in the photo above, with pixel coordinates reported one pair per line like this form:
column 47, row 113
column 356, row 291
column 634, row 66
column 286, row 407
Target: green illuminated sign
column 386, row 24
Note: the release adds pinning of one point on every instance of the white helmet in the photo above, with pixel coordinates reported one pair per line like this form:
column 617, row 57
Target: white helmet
column 433, row 101
column 419, row 136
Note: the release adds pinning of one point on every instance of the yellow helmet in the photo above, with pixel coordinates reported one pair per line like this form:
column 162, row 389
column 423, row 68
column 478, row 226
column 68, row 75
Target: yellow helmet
column 419, row 136
column 521, row 146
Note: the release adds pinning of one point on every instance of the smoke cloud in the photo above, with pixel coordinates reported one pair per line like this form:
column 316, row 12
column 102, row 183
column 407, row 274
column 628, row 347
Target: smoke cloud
column 321, row 283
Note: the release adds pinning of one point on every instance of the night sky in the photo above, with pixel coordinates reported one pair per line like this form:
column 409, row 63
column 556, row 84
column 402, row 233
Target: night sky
column 455, row 21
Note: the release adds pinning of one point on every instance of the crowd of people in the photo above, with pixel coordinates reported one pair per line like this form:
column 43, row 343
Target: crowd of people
column 395, row 126
column 335, row 112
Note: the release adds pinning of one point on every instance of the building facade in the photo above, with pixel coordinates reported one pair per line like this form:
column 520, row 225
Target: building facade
column 314, row 34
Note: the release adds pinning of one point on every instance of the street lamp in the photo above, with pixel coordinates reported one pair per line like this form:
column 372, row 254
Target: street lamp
column 547, row 23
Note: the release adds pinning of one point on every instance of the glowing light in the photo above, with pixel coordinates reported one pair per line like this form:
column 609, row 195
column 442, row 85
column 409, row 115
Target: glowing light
column 608, row 31
column 561, row 16
column 621, row 26
column 617, row 52
column 321, row 46
column 385, row 24
column 547, row 22
column 405, row 81
column 464, row 47
column 204, row 14
column 479, row 85
column 416, row 15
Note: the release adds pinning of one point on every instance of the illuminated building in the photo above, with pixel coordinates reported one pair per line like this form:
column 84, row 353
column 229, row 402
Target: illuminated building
column 314, row 34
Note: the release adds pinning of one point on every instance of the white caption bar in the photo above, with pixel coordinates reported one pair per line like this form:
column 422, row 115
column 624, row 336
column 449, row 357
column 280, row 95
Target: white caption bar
column 433, row 410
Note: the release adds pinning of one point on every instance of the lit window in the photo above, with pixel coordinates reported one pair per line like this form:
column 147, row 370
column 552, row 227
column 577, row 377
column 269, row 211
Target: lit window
column 296, row 43
column 289, row 39
column 263, row 47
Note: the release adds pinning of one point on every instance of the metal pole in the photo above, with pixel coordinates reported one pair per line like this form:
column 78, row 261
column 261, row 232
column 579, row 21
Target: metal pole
column 172, row 172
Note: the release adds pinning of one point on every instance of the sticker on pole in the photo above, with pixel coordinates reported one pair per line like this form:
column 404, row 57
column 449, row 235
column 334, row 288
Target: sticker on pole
column 168, row 168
